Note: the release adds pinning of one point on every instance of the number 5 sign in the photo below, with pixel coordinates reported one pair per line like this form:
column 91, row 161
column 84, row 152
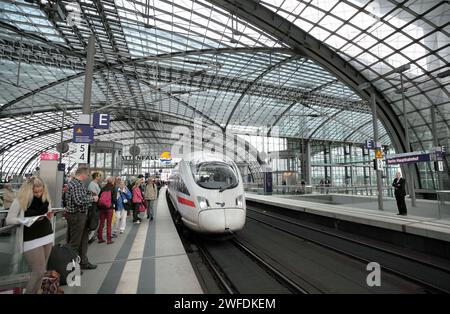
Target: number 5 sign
column 82, row 154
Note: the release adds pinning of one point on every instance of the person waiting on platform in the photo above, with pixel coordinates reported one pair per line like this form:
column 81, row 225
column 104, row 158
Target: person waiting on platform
column 106, row 204
column 138, row 200
column 78, row 200
column 94, row 188
column 151, row 194
column 123, row 202
column 33, row 200
column 283, row 183
column 400, row 193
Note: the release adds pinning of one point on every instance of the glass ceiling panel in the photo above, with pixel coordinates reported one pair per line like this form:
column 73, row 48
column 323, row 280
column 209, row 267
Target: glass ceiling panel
column 382, row 28
column 244, row 90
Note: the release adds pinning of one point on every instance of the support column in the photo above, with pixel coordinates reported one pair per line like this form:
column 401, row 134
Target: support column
column 306, row 162
column 330, row 157
column 350, row 156
column 439, row 185
column 375, row 139
column 325, row 160
column 89, row 75
column 410, row 167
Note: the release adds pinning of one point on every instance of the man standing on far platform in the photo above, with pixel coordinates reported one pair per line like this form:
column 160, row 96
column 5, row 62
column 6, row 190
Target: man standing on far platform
column 400, row 193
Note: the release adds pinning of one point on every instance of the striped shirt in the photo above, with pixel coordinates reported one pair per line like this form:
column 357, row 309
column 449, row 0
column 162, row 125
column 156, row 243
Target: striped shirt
column 78, row 199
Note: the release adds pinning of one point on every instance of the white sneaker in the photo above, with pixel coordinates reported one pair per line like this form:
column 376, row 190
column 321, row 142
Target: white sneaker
column 121, row 231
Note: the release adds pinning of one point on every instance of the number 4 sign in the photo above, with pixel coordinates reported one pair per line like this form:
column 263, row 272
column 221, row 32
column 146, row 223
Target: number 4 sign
column 82, row 154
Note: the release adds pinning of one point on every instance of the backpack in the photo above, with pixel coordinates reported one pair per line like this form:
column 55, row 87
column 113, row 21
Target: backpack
column 105, row 200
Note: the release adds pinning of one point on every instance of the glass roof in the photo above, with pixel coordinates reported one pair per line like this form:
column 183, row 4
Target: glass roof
column 170, row 62
column 378, row 36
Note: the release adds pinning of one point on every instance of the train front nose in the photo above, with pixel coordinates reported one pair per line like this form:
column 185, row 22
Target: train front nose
column 221, row 220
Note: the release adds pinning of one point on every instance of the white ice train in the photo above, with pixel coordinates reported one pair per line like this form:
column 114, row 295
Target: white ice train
column 208, row 194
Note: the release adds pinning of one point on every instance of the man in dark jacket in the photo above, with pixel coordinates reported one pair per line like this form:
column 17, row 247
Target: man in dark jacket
column 400, row 193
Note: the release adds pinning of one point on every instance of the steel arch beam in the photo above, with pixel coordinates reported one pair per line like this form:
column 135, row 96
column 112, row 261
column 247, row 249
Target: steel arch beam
column 285, row 31
column 57, row 129
column 318, row 88
column 324, row 122
column 169, row 141
column 170, row 95
column 103, row 66
column 260, row 76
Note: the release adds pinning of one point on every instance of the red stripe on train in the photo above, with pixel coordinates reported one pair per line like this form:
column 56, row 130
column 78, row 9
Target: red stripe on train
column 185, row 201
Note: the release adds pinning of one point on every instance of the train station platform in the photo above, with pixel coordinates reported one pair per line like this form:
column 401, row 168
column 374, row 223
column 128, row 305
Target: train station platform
column 366, row 213
column 148, row 258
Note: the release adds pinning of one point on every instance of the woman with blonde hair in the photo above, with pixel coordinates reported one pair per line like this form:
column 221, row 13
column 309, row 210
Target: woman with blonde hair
column 33, row 201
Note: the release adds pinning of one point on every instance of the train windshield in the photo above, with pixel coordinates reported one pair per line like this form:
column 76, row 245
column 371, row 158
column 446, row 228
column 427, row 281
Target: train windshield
column 215, row 175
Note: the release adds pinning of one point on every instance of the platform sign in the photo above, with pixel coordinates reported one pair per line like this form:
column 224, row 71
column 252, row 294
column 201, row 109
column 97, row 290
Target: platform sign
column 408, row 158
column 83, row 133
column 378, row 153
column 62, row 167
column 378, row 164
column 439, row 165
column 82, row 154
column 49, row 156
column 101, row 120
column 370, row 144
column 268, row 182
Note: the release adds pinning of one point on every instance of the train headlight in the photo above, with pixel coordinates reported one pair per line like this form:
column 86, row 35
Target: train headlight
column 202, row 202
column 240, row 201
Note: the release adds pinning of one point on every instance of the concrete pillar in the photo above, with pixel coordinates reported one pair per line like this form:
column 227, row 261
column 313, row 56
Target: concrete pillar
column 330, row 158
column 306, row 162
column 89, row 75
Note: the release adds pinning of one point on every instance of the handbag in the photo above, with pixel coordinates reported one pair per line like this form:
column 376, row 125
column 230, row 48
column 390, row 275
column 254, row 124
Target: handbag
column 125, row 201
column 142, row 208
column 50, row 283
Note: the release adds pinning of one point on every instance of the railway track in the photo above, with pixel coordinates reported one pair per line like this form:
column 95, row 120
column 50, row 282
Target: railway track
column 233, row 280
column 433, row 277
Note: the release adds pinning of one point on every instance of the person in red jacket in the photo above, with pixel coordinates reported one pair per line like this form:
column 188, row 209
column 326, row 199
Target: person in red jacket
column 137, row 200
column 106, row 204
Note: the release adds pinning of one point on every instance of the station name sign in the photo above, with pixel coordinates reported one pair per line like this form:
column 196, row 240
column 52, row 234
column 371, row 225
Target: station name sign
column 424, row 156
column 139, row 158
column 436, row 154
column 409, row 159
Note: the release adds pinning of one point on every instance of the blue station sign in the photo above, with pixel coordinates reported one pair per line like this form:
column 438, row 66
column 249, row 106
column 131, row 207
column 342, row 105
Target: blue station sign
column 100, row 120
column 408, row 158
column 83, row 133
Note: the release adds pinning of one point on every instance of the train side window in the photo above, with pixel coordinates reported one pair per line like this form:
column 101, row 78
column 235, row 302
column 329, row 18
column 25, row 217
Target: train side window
column 183, row 188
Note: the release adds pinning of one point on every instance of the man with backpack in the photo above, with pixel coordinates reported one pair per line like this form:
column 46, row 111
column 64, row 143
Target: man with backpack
column 106, row 208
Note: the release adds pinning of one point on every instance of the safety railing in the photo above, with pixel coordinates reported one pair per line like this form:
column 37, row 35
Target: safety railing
column 13, row 267
column 317, row 189
column 365, row 190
